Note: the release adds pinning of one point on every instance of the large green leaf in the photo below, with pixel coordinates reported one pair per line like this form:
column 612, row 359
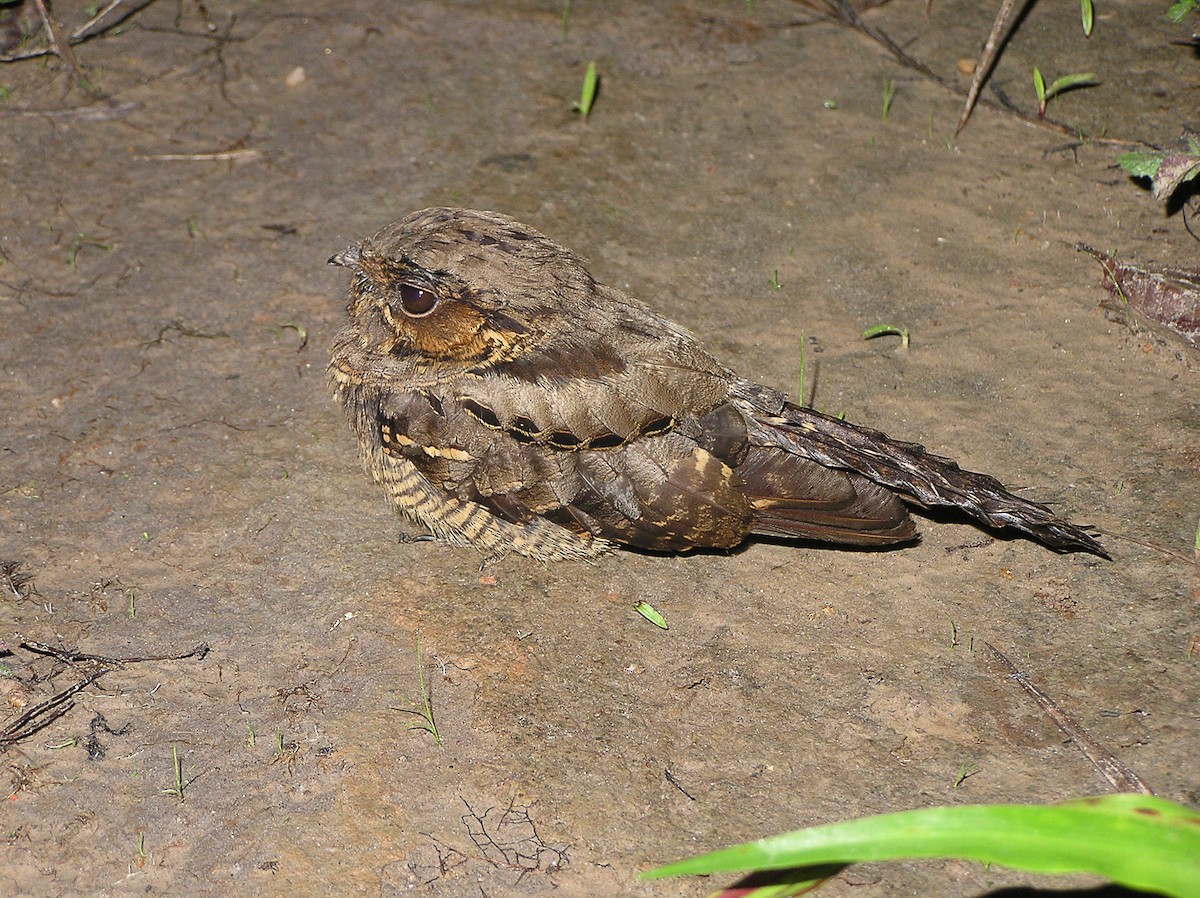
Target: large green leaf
column 1138, row 841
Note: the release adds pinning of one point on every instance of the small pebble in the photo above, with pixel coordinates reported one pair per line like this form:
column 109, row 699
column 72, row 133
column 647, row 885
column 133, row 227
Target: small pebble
column 295, row 77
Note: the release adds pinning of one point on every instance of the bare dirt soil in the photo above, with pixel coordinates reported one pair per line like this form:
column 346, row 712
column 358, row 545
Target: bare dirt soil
column 173, row 471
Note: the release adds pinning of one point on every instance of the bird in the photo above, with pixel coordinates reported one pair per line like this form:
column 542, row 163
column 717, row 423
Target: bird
column 507, row 401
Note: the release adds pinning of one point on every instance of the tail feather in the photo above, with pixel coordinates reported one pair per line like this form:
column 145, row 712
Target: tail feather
column 798, row 497
column 921, row 476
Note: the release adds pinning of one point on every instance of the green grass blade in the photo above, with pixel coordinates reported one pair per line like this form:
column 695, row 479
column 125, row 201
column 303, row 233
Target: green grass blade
column 1070, row 82
column 652, row 614
column 1137, row 841
column 587, row 96
column 887, row 330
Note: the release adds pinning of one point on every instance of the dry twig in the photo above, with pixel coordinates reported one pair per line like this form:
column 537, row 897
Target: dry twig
column 93, row 667
column 1122, row 778
column 986, row 60
column 844, row 13
column 62, row 48
column 90, row 29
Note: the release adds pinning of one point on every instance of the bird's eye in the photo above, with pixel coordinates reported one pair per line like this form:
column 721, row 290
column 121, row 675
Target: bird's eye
column 417, row 302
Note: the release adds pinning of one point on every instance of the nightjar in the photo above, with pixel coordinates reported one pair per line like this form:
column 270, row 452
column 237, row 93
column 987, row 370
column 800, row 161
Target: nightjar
column 506, row 400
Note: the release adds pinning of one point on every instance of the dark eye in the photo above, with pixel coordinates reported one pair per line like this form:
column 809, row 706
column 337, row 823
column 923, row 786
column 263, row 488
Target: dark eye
column 415, row 301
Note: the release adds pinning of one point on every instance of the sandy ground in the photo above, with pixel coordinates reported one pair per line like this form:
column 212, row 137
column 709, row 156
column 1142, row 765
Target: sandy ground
column 173, row 471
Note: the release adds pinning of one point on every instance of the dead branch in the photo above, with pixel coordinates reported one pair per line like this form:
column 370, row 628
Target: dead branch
column 844, row 13
column 1122, row 778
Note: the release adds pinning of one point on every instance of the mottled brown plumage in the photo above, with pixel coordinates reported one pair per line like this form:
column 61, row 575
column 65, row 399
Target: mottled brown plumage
column 505, row 400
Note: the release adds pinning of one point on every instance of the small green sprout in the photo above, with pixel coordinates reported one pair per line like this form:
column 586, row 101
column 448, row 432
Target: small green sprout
column 889, row 93
column 177, row 767
column 591, row 81
column 652, row 614
column 887, row 330
column 301, row 332
column 427, row 722
column 1086, row 16
column 1059, row 85
column 965, row 771
column 803, row 385
column 80, row 242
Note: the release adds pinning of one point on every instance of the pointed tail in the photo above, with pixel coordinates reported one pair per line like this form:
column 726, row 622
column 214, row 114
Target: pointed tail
column 921, row 476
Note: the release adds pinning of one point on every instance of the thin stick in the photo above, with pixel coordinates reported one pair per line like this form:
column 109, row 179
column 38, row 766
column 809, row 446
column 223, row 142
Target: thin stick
column 82, row 34
column 18, row 730
column 842, row 12
column 218, row 156
column 42, row 648
column 62, row 48
column 94, row 19
column 97, row 112
column 1122, row 778
column 46, row 712
column 986, row 60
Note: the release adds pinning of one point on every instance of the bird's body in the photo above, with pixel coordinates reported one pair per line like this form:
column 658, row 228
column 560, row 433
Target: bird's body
column 507, row 401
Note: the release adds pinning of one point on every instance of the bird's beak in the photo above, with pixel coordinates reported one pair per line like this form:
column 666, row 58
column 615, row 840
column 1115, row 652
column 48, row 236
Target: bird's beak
column 347, row 258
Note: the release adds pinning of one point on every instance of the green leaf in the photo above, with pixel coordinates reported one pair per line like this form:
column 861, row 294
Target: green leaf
column 1086, row 14
column 1070, row 82
column 1140, row 164
column 1177, row 12
column 1176, row 169
column 588, row 95
column 887, row 330
column 1137, row 841
column 650, row 613
column 1039, row 86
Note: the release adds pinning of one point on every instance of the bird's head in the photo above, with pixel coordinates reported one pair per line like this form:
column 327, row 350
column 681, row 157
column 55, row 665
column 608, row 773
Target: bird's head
column 457, row 289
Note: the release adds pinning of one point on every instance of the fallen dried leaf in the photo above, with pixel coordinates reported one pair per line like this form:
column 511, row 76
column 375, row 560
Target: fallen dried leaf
column 1166, row 296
